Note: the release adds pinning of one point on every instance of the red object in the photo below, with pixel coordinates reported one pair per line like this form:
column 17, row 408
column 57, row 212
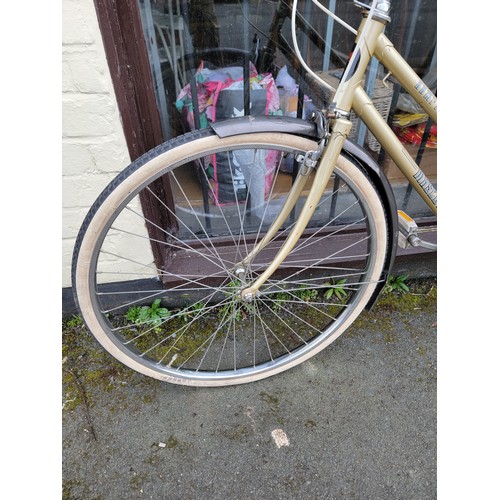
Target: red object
column 413, row 135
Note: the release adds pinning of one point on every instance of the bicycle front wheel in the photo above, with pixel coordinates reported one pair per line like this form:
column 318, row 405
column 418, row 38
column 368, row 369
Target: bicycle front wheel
column 158, row 274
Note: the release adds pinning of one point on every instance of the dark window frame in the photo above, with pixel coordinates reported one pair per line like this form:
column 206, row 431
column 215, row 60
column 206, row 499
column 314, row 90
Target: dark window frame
column 127, row 57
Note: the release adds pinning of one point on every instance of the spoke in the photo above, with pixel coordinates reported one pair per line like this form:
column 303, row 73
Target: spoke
column 230, row 314
column 305, row 285
column 269, row 197
column 310, row 281
column 304, row 243
column 128, row 304
column 185, row 245
column 333, row 256
column 182, row 332
column 128, row 292
column 328, row 257
column 295, row 316
column 202, row 226
column 311, row 303
column 299, row 301
column 234, row 343
column 309, row 240
column 257, row 311
column 155, row 293
column 264, row 326
column 277, row 338
column 185, row 277
column 286, row 324
column 240, row 217
column 165, row 320
column 278, row 234
column 223, row 216
column 179, row 314
column 211, row 338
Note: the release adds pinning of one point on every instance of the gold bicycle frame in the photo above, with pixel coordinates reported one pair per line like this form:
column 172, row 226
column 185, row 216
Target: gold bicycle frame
column 370, row 41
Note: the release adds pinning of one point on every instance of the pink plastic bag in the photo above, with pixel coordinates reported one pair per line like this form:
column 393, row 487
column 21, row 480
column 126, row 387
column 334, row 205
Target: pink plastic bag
column 220, row 95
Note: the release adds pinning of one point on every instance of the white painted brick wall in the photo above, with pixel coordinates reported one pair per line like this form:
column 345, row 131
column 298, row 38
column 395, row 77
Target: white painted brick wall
column 93, row 144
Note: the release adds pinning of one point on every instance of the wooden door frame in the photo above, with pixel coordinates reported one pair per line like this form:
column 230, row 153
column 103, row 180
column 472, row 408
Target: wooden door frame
column 128, row 62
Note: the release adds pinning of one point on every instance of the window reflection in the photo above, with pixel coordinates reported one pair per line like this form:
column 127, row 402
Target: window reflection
column 256, row 34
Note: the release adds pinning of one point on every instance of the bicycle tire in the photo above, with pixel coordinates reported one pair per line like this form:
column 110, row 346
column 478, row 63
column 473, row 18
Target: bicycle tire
column 185, row 322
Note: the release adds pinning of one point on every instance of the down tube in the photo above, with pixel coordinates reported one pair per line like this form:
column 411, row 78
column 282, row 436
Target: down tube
column 364, row 108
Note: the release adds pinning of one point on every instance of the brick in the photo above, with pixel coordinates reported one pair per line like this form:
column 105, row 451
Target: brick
column 82, row 71
column 79, row 22
column 81, row 191
column 111, row 154
column 98, row 155
column 88, row 115
column 73, row 218
column 76, row 158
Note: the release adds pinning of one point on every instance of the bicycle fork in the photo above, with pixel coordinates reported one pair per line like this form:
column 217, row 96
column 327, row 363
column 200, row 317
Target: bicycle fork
column 339, row 133
column 340, row 127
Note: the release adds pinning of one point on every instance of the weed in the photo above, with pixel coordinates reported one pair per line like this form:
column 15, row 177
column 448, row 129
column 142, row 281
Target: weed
column 191, row 311
column 336, row 288
column 74, row 321
column 396, row 284
column 153, row 314
column 306, row 294
column 234, row 308
column 133, row 314
column 278, row 299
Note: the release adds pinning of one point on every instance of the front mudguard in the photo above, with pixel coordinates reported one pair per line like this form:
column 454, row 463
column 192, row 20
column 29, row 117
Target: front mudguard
column 355, row 153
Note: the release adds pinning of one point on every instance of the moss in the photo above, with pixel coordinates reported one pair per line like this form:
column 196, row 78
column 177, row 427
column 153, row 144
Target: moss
column 94, row 368
column 137, row 480
column 236, row 432
column 271, row 400
column 86, row 366
column 389, row 337
column 172, row 442
column 383, row 322
column 422, row 296
column 148, row 398
column 76, row 488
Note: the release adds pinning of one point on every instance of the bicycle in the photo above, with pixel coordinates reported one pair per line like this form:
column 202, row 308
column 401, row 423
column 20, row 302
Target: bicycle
column 247, row 291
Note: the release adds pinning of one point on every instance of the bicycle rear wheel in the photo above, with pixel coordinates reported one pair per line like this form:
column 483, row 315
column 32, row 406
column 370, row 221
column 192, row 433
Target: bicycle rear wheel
column 157, row 265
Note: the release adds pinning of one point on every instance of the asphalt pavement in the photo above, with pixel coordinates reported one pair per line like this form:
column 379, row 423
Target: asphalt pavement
column 356, row 421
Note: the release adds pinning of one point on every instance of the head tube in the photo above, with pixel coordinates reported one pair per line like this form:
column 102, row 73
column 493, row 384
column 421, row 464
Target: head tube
column 381, row 10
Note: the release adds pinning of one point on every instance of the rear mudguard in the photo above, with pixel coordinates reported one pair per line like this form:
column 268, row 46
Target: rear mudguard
column 359, row 156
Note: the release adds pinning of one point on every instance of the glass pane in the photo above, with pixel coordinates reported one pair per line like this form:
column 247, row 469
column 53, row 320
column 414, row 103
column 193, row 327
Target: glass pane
column 255, row 36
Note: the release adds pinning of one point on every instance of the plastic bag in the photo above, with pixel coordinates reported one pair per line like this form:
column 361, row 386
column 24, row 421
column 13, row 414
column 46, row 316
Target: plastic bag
column 220, row 95
column 288, row 92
